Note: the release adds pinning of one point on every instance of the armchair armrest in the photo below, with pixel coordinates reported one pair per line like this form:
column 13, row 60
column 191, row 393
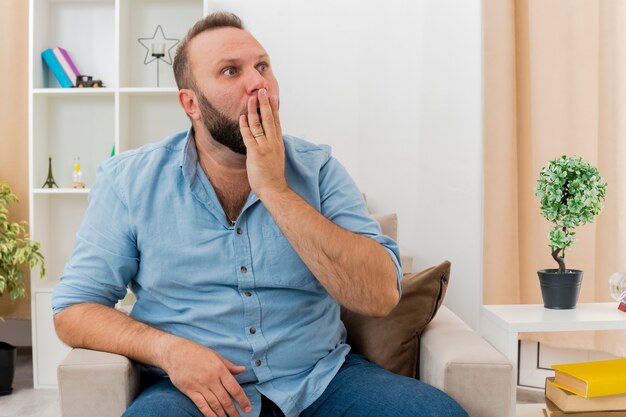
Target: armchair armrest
column 93, row 383
column 461, row 363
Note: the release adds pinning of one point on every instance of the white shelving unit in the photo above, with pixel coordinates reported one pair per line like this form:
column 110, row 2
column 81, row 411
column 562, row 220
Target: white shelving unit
column 101, row 37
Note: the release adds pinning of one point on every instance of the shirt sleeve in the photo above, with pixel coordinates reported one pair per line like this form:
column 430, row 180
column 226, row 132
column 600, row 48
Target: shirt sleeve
column 105, row 255
column 343, row 204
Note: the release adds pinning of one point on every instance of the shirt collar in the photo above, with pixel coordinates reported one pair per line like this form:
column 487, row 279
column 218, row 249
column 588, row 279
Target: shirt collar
column 189, row 165
column 189, row 158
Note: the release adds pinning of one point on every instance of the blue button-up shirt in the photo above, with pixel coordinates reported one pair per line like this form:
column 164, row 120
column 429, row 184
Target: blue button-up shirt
column 154, row 224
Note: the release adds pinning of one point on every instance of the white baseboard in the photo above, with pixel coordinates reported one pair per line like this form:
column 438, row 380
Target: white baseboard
column 16, row 332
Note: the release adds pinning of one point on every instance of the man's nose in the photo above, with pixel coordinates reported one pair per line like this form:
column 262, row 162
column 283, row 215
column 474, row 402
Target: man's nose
column 255, row 81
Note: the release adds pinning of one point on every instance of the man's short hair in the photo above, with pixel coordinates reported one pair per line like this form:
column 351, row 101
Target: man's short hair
column 182, row 71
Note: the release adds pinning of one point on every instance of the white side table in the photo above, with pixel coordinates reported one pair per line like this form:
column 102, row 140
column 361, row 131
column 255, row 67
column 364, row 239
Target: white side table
column 501, row 324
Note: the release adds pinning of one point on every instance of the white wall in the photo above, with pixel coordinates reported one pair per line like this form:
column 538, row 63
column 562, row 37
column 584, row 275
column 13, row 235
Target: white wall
column 395, row 88
column 450, row 159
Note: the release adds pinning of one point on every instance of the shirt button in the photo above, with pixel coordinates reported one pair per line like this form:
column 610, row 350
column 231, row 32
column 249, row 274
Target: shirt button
column 252, row 330
column 258, row 362
column 248, row 294
column 244, row 269
column 239, row 231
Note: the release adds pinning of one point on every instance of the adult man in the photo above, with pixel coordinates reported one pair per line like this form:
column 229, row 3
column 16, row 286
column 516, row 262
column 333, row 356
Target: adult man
column 239, row 244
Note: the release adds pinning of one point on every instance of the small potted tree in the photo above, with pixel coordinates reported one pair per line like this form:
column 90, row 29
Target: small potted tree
column 16, row 251
column 571, row 192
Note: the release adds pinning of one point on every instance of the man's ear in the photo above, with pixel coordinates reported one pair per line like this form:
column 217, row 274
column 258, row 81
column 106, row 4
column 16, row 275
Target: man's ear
column 189, row 102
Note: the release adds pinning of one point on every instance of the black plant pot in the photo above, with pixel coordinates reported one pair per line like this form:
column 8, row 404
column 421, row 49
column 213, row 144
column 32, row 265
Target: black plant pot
column 8, row 358
column 560, row 290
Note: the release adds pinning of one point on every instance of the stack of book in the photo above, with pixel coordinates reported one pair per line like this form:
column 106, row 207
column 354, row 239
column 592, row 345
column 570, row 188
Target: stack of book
column 588, row 389
column 61, row 66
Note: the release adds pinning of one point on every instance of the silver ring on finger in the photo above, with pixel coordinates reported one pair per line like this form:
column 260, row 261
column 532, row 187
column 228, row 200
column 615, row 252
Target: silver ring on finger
column 258, row 135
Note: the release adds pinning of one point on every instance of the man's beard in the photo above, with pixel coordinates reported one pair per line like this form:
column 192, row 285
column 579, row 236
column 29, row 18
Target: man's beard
column 221, row 128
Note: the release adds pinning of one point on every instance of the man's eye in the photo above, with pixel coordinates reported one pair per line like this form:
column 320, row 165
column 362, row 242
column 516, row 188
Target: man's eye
column 230, row 71
column 262, row 67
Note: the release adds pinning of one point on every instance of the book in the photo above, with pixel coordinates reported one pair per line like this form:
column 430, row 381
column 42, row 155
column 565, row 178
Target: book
column 69, row 61
column 592, row 379
column 551, row 410
column 570, row 402
column 56, row 68
column 67, row 64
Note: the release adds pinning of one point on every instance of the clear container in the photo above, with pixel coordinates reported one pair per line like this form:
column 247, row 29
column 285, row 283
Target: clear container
column 617, row 286
column 77, row 175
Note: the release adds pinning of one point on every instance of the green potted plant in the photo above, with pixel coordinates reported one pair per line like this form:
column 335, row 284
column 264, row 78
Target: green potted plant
column 571, row 192
column 16, row 251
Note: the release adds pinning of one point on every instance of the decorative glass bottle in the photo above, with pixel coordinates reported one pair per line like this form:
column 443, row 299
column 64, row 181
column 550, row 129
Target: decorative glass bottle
column 77, row 175
column 617, row 289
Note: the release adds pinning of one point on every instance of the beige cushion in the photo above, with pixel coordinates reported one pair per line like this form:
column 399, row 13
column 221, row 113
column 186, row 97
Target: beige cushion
column 389, row 227
column 388, row 224
column 393, row 341
column 407, row 263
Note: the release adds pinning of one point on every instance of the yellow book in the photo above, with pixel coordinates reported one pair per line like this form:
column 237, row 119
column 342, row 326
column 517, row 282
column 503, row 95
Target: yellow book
column 592, row 379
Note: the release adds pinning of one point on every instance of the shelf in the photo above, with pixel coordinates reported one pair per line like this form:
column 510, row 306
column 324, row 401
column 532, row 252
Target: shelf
column 61, row 191
column 139, row 19
column 101, row 37
column 149, row 118
column 56, row 219
column 104, row 91
column 85, row 28
column 88, row 2
column 72, row 91
column 69, row 125
column 149, row 90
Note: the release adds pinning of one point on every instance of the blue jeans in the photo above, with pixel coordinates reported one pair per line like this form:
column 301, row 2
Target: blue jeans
column 360, row 389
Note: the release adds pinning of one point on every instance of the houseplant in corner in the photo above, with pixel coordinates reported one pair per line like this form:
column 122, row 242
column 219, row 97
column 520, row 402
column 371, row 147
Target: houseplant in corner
column 16, row 251
column 571, row 192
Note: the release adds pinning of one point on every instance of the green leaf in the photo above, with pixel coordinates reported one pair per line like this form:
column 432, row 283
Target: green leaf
column 571, row 194
column 16, row 249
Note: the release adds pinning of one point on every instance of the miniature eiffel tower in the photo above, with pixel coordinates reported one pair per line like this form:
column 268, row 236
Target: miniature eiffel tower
column 50, row 182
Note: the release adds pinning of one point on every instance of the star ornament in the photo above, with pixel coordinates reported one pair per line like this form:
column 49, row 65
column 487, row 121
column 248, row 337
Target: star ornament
column 157, row 45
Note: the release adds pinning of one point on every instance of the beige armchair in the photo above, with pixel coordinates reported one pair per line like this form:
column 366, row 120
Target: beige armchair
column 452, row 357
